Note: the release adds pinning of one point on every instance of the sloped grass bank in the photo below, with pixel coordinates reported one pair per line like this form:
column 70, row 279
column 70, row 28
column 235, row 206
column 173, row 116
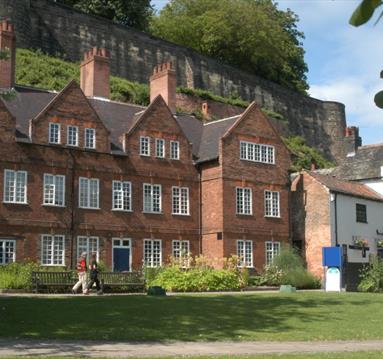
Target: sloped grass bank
column 261, row 316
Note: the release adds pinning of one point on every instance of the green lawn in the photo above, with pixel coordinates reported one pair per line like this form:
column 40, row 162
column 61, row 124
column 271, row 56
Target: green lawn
column 272, row 316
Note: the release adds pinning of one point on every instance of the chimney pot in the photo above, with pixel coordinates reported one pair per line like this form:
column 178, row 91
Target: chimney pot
column 95, row 73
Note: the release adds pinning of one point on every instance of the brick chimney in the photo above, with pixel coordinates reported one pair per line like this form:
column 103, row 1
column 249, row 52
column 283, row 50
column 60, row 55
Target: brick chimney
column 95, row 72
column 7, row 44
column 352, row 140
column 163, row 82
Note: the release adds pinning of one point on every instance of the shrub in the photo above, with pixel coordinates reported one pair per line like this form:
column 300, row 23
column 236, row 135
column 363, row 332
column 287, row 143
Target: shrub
column 288, row 268
column 372, row 277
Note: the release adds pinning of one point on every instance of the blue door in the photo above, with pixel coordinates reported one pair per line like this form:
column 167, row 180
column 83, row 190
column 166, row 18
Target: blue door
column 121, row 257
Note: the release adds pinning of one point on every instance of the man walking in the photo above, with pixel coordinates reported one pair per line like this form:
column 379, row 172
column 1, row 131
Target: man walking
column 93, row 269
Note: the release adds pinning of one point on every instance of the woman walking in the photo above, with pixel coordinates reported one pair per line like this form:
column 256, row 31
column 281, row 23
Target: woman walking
column 93, row 269
column 81, row 272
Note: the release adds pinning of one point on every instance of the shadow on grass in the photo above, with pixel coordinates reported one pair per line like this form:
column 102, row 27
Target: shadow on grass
column 186, row 318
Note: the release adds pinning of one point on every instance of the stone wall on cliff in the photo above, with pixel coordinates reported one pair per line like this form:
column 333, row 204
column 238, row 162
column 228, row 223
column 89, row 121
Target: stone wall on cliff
column 59, row 30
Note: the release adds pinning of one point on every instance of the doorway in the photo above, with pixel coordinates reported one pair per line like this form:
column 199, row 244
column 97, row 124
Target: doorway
column 121, row 255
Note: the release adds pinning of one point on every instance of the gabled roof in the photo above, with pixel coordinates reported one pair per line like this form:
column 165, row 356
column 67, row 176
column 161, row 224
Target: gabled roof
column 346, row 187
column 364, row 164
column 120, row 118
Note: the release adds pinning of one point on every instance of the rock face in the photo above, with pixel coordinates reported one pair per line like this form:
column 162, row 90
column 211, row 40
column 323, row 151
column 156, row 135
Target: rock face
column 59, row 30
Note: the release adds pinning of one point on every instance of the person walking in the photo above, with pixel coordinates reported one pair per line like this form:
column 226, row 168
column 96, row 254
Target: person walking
column 93, row 270
column 81, row 272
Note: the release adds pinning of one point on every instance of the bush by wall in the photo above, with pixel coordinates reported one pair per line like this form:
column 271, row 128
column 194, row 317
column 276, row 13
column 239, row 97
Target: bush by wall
column 372, row 277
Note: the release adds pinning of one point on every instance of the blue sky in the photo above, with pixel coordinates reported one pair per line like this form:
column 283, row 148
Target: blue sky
column 344, row 62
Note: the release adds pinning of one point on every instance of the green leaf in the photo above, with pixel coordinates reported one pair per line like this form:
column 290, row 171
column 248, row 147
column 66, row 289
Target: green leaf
column 379, row 99
column 364, row 12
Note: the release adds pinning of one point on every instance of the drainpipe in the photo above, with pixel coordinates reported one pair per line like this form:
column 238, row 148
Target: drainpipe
column 200, row 214
column 72, row 209
column 336, row 220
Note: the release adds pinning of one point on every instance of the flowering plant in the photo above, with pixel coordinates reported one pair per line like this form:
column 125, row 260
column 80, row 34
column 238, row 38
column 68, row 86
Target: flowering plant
column 360, row 242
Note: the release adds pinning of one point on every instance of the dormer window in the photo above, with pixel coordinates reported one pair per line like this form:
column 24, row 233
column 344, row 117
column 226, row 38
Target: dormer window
column 174, row 150
column 72, row 138
column 144, row 146
column 54, row 132
column 90, row 138
column 251, row 151
column 160, row 148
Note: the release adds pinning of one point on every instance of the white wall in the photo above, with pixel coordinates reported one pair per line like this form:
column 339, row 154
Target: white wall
column 349, row 227
column 375, row 184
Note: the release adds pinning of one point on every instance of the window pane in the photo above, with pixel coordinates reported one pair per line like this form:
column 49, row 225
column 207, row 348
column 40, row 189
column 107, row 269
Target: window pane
column 144, row 146
column 84, row 192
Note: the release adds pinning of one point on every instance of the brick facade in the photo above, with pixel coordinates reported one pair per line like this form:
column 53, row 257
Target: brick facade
column 189, row 186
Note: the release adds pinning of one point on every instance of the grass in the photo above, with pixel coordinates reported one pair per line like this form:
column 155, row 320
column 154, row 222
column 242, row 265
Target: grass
column 277, row 317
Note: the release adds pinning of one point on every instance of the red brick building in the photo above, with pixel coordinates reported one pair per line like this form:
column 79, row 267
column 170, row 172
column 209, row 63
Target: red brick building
column 82, row 173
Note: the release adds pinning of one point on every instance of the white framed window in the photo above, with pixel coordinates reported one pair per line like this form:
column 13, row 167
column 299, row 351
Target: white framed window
column 54, row 190
column 15, row 186
column 122, row 196
column 54, row 132
column 272, row 250
column 144, row 146
column 245, row 253
column 180, row 200
column 7, row 251
column 160, row 148
column 90, row 138
column 152, row 252
column 89, row 192
column 251, row 151
column 72, row 136
column 181, row 252
column 272, row 204
column 152, row 198
column 244, row 201
column 174, row 150
column 52, row 250
column 89, row 245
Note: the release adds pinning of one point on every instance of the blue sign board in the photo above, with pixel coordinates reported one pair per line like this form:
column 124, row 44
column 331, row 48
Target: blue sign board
column 332, row 257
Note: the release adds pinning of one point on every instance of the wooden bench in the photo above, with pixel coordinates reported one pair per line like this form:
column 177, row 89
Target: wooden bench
column 52, row 279
column 132, row 280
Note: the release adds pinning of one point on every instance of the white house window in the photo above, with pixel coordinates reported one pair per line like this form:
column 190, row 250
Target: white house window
column 54, row 132
column 272, row 250
column 52, row 250
column 54, row 190
column 122, row 196
column 160, row 148
column 89, row 245
column 180, row 200
column 245, row 253
column 272, row 204
column 181, row 252
column 144, row 146
column 90, row 138
column 152, row 198
column 152, row 252
column 72, row 139
column 244, row 201
column 89, row 193
column 255, row 152
column 7, row 251
column 174, row 150
column 15, row 186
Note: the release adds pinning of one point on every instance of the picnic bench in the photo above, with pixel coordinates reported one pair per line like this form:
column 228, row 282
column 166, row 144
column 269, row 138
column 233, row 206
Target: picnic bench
column 132, row 280
column 53, row 279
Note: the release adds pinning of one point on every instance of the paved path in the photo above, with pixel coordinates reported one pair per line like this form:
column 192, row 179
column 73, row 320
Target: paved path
column 131, row 349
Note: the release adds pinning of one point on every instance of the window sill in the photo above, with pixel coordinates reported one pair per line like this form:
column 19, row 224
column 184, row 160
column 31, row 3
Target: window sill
column 244, row 214
column 181, row 214
column 93, row 208
column 52, row 205
column 142, row 155
column 22, row 203
column 277, row 217
column 145, row 212
column 121, row 210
